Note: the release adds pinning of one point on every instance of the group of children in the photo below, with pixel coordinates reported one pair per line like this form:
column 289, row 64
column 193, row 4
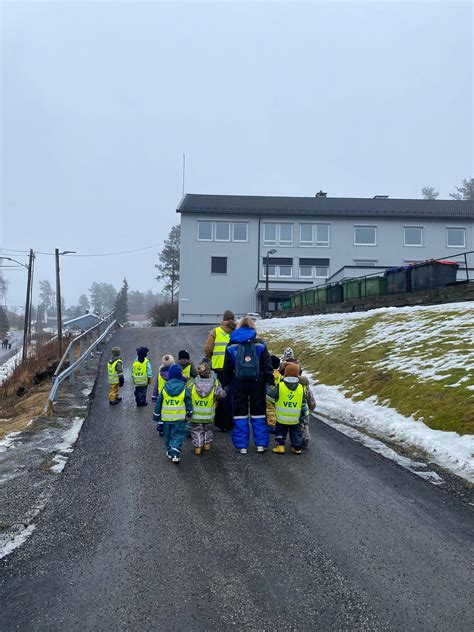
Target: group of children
column 186, row 399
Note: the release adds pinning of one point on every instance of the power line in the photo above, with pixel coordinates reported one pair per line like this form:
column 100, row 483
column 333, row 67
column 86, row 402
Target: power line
column 99, row 254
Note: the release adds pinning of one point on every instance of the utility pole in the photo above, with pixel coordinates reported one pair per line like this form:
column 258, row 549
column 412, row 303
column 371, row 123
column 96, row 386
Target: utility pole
column 267, row 263
column 58, row 304
column 27, row 318
column 31, row 299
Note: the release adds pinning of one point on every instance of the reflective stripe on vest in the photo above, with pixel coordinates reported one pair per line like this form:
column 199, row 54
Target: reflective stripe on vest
column 114, row 377
column 173, row 408
column 204, row 407
column 218, row 353
column 139, row 373
column 289, row 404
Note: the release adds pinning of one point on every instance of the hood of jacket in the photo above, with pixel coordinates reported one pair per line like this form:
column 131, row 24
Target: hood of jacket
column 228, row 325
column 174, row 387
column 242, row 335
column 291, row 382
column 164, row 372
column 204, row 385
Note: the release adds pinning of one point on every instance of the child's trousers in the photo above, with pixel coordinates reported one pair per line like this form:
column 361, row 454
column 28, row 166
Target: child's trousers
column 201, row 434
column 281, row 430
column 305, row 434
column 113, row 392
column 140, row 395
column 174, row 433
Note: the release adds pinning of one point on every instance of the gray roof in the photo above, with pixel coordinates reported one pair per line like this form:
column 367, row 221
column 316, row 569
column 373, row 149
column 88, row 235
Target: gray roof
column 342, row 207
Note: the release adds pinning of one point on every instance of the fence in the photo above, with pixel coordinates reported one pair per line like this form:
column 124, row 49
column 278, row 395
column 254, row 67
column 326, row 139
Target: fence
column 410, row 278
column 84, row 345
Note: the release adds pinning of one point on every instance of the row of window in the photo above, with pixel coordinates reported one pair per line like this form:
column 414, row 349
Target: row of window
column 316, row 235
column 219, row 266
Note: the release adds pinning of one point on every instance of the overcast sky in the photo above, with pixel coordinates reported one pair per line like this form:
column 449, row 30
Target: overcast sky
column 101, row 99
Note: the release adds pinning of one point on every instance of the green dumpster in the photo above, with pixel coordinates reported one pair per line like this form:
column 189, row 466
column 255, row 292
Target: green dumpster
column 351, row 289
column 298, row 299
column 373, row 286
column 321, row 295
column 308, row 297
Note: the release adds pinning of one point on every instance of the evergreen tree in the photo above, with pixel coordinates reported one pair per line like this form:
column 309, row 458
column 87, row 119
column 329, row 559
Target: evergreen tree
column 103, row 297
column 83, row 304
column 168, row 268
column 4, row 324
column 465, row 191
column 136, row 302
column 47, row 296
column 121, row 304
column 429, row 193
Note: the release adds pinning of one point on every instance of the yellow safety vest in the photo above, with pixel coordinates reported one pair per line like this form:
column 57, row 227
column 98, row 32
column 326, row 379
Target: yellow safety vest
column 161, row 383
column 277, row 378
column 289, row 404
column 204, row 407
column 173, row 407
column 218, row 353
column 187, row 374
column 114, row 377
column 139, row 372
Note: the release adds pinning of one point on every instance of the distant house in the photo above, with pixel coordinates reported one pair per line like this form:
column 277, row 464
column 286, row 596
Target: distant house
column 138, row 320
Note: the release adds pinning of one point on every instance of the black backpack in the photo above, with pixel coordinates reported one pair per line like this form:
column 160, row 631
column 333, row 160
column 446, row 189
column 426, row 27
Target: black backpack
column 247, row 365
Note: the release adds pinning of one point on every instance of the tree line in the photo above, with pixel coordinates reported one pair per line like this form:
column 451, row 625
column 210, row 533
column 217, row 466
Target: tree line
column 463, row 192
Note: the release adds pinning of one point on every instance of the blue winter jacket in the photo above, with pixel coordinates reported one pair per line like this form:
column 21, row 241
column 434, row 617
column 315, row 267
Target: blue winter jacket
column 241, row 335
column 173, row 387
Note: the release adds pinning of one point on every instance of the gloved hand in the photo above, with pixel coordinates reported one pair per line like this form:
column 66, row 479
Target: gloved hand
column 121, row 381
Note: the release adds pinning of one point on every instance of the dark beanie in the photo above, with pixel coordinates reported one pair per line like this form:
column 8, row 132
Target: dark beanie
column 141, row 352
column 183, row 355
column 175, row 372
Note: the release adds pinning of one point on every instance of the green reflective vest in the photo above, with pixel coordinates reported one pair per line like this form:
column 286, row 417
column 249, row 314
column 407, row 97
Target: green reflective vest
column 218, row 353
column 173, row 407
column 204, row 407
column 289, row 404
column 139, row 372
column 114, row 377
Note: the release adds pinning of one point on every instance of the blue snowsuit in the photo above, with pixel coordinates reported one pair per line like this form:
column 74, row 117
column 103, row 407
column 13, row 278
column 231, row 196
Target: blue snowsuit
column 174, row 432
column 248, row 395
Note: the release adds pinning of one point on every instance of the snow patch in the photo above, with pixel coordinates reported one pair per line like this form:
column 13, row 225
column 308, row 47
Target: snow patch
column 66, row 446
column 8, row 441
column 10, row 542
column 7, row 368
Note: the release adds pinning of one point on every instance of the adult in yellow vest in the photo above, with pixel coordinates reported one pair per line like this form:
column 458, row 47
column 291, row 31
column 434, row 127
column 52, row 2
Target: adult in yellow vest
column 214, row 349
column 115, row 375
column 142, row 375
column 290, row 408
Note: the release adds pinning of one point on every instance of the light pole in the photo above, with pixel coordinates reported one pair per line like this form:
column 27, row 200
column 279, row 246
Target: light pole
column 29, row 289
column 267, row 260
column 58, row 297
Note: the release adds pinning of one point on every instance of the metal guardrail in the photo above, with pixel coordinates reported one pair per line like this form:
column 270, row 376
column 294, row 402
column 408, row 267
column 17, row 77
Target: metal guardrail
column 87, row 342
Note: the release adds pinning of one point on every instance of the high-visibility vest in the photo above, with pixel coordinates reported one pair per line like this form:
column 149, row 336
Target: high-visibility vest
column 289, row 404
column 139, row 372
column 204, row 407
column 218, row 353
column 187, row 374
column 277, row 378
column 173, row 407
column 161, row 383
column 114, row 377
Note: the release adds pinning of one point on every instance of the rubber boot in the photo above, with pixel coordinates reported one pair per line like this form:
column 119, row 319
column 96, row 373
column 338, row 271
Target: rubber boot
column 197, row 451
column 279, row 449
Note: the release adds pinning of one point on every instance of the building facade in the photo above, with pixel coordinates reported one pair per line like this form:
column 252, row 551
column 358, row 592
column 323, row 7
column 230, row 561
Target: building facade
column 225, row 241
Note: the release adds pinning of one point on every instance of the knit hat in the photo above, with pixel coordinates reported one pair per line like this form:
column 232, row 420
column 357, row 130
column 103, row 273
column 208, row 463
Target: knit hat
column 116, row 352
column 175, row 372
column 292, row 370
column 167, row 360
column 288, row 353
column 141, row 353
column 275, row 360
column 183, row 355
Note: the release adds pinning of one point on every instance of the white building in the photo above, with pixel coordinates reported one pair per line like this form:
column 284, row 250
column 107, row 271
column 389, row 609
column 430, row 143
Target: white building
column 225, row 239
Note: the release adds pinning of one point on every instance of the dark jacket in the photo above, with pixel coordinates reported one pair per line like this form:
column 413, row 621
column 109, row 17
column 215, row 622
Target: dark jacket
column 241, row 336
column 183, row 363
column 173, row 387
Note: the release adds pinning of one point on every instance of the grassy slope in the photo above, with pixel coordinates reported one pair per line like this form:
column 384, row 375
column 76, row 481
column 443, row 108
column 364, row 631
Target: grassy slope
column 350, row 364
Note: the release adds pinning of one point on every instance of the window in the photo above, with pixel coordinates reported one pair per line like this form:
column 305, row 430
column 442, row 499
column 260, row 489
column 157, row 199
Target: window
column 413, row 236
column 272, row 271
column 312, row 267
column 239, row 231
column 306, row 271
column 322, row 235
column 365, row 262
column 222, row 231
column 306, row 234
column 286, row 235
column 277, row 234
column 365, row 235
column 456, row 237
column 286, row 271
column 270, row 234
column 278, row 267
column 205, row 231
column 322, row 273
column 219, row 265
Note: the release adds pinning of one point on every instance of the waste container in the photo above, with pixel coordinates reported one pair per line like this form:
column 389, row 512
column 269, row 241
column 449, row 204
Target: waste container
column 351, row 289
column 335, row 294
column 285, row 305
column 433, row 274
column 373, row 286
column 308, row 297
column 321, row 295
column 298, row 299
column 398, row 280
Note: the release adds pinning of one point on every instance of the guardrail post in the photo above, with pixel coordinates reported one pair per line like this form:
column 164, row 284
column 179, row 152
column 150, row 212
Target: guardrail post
column 71, row 361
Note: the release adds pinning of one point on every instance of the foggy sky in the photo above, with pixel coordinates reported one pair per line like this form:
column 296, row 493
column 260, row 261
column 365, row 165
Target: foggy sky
column 101, row 99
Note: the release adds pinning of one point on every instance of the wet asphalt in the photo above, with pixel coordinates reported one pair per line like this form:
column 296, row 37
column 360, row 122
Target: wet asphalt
column 336, row 539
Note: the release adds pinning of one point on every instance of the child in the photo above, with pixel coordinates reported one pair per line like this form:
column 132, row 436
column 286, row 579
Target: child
column 173, row 408
column 288, row 357
column 271, row 416
column 205, row 391
column 304, row 423
column 291, row 408
column 188, row 368
column 115, row 375
column 161, row 379
column 141, row 374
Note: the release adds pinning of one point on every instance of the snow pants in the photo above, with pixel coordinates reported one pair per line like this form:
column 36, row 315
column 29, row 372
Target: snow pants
column 305, row 434
column 201, row 434
column 249, row 397
column 223, row 419
column 281, row 430
column 113, row 392
column 174, row 433
column 140, row 395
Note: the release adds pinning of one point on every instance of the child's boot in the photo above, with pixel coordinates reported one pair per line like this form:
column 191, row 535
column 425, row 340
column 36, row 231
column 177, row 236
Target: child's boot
column 197, row 451
column 279, row 449
column 207, row 447
column 296, row 450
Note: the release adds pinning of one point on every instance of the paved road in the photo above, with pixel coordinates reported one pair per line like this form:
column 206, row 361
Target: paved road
column 337, row 539
column 16, row 338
